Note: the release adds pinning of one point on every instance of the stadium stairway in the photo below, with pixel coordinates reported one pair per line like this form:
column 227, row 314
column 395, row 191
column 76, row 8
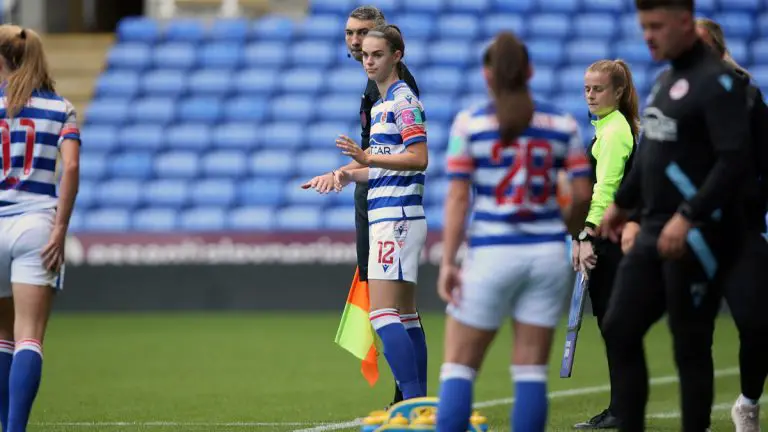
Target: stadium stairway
column 76, row 60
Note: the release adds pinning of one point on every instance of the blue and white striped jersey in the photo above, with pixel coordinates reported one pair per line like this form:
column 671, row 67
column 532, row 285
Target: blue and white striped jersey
column 398, row 121
column 515, row 186
column 30, row 146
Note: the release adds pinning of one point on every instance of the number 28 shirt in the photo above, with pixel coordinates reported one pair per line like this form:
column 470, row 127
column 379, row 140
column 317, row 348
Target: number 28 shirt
column 515, row 186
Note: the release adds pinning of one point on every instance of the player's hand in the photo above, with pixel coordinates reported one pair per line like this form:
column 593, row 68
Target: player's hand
column 575, row 247
column 449, row 284
column 53, row 252
column 613, row 220
column 628, row 234
column 671, row 243
column 341, row 179
column 350, row 148
column 322, row 183
column 587, row 258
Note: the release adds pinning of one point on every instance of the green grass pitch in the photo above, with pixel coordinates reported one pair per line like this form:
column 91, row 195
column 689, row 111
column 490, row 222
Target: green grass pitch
column 282, row 372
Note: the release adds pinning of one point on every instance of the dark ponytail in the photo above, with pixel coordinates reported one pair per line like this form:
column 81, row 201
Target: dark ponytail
column 394, row 37
column 507, row 59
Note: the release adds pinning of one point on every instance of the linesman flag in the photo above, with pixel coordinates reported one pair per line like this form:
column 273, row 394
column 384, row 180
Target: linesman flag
column 355, row 333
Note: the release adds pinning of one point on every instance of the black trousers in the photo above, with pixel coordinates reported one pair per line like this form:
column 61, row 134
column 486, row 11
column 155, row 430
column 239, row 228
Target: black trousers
column 361, row 229
column 601, row 281
column 646, row 287
column 746, row 291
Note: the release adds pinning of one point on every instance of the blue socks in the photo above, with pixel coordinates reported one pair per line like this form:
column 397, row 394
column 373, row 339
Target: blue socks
column 6, row 357
column 529, row 414
column 455, row 406
column 398, row 350
column 412, row 325
column 26, row 369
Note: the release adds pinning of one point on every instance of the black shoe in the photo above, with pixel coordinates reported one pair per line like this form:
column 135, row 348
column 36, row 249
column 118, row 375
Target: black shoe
column 604, row 420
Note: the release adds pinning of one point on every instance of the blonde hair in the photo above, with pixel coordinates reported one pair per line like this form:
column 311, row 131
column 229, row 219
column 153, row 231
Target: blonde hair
column 621, row 78
column 22, row 50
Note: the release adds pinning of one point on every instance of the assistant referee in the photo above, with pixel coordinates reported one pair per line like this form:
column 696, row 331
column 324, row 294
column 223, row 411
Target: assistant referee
column 360, row 21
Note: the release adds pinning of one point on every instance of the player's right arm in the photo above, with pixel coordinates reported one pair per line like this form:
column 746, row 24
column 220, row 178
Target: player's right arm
column 460, row 168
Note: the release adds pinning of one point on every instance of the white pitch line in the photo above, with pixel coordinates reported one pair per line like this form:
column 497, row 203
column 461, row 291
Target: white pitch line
column 669, row 379
column 174, row 424
column 676, row 414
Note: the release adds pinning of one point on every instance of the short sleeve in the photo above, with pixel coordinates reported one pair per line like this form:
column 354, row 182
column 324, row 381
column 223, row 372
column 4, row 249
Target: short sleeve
column 70, row 130
column 409, row 117
column 460, row 163
column 576, row 163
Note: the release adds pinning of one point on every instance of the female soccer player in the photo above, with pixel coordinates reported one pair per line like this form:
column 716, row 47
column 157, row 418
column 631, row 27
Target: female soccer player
column 37, row 124
column 508, row 151
column 612, row 98
column 394, row 168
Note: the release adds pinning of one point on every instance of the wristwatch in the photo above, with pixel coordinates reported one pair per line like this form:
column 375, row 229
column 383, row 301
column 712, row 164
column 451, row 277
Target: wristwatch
column 585, row 236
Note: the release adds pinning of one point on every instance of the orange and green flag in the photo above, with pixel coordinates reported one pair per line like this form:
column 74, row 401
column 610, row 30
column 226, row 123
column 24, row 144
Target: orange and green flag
column 355, row 332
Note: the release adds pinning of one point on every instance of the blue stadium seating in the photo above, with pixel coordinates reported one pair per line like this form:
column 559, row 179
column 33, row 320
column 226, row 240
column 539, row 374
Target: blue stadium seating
column 213, row 125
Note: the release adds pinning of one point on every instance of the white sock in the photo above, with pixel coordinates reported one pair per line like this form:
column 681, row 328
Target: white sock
column 743, row 400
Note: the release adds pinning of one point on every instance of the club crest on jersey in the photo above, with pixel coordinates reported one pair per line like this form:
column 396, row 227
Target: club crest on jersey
column 401, row 231
column 679, row 89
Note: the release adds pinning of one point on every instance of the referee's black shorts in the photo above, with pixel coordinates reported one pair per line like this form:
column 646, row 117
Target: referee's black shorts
column 361, row 228
column 602, row 277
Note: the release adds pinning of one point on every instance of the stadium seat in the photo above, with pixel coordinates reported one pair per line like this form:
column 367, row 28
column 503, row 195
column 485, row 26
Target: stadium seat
column 565, row 6
column 762, row 24
column 142, row 137
column 475, row 7
column 93, row 166
column 436, row 166
column 322, row 27
column 630, row 26
column 340, row 218
column 418, row 27
column 344, row 198
column 435, row 216
column 739, row 51
column 432, row 7
column 298, row 218
column 211, row 82
column 120, row 83
column 213, row 192
column 473, row 99
column 200, row 108
column 138, row 29
column 107, row 111
column 450, row 53
column 570, row 79
column 312, row 53
column 221, row 55
column 495, row 23
column 129, row 55
column 202, row 219
column 246, row 109
column 601, row 27
column 439, row 107
column 584, row 52
column 131, row 164
column 518, row 6
column 177, row 164
column 323, row 135
column 292, row 108
column 387, row 6
column 475, row 80
column 435, row 190
column 759, row 52
column 229, row 30
column 543, row 80
column 305, row 81
column 632, row 51
column 273, row 28
column 416, row 54
column 265, row 55
column 251, row 218
column 611, row 6
column 339, row 108
column 546, row 52
column 107, row 220
column 760, row 74
column 574, row 104
column 119, row 193
column 455, row 26
column 86, row 193
column 155, row 110
column 438, row 132
column 549, row 25
column 170, row 193
column 261, row 191
column 443, row 80
column 225, row 163
column 749, row 6
column 174, row 55
column 705, row 7
column 314, row 162
column 99, row 137
column 154, row 220
column 164, row 82
column 256, row 81
column 295, row 195
column 339, row 7
column 347, row 79
column 185, row 30
column 736, row 24
column 272, row 163
column 242, row 136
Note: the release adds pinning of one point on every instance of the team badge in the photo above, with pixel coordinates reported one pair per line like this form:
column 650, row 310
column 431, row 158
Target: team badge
column 679, row 89
column 383, row 117
column 401, row 231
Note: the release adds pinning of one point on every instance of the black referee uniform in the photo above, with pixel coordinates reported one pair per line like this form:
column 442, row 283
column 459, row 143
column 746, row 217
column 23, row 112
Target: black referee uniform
column 370, row 97
column 690, row 162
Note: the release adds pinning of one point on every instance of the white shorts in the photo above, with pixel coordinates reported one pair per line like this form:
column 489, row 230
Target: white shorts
column 395, row 249
column 22, row 239
column 528, row 283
